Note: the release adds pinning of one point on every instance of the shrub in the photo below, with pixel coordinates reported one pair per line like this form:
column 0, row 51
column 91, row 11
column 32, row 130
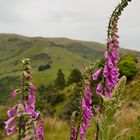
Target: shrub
column 128, row 66
column 60, row 80
column 75, row 76
column 44, row 67
column 55, row 98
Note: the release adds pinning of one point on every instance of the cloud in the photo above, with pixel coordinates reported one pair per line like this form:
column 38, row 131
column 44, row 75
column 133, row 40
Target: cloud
column 78, row 19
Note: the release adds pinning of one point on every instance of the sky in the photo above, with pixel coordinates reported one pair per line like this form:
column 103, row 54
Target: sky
column 75, row 19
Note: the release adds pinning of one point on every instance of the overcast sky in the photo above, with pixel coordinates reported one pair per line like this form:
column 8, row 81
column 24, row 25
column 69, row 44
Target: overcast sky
column 76, row 19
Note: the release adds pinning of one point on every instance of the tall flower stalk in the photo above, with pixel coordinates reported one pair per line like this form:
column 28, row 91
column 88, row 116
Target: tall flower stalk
column 85, row 113
column 23, row 116
column 109, row 74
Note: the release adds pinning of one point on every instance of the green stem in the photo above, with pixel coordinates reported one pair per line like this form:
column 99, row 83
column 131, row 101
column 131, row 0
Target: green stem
column 97, row 130
column 77, row 133
column 34, row 129
column 22, row 98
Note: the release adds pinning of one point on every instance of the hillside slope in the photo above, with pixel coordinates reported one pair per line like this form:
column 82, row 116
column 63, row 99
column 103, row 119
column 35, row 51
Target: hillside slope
column 57, row 52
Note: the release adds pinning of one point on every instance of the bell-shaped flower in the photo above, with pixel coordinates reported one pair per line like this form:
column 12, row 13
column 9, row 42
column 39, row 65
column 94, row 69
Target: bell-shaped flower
column 106, row 71
column 99, row 89
column 11, row 112
column 40, row 131
column 31, row 100
column 108, row 94
column 11, row 130
column 97, row 74
column 9, row 122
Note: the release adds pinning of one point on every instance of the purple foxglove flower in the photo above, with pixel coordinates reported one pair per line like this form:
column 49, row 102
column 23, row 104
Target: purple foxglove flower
column 115, row 61
column 31, row 100
column 116, row 45
column 20, row 106
column 116, row 35
column 35, row 114
column 108, row 94
column 82, row 129
column 116, row 40
column 32, row 92
column 88, row 95
column 20, row 109
column 87, row 110
column 97, row 74
column 82, row 132
column 88, row 113
column 11, row 130
column 114, row 71
column 106, row 55
column 106, row 71
column 82, row 137
column 30, row 111
column 27, row 138
column 83, row 104
column 9, row 122
column 109, row 84
column 32, row 87
column 110, row 63
column 85, row 120
column 110, row 46
column 99, row 88
column 88, row 101
column 115, row 80
column 14, row 94
column 97, row 109
column 115, row 54
column 40, row 131
column 12, row 112
column 73, row 132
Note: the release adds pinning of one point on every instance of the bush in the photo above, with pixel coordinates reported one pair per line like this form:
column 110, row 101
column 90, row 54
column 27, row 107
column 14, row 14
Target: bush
column 72, row 105
column 55, row 98
column 60, row 80
column 44, row 67
column 128, row 66
column 75, row 76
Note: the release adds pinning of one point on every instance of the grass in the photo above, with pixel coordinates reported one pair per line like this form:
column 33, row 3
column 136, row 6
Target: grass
column 128, row 119
column 65, row 54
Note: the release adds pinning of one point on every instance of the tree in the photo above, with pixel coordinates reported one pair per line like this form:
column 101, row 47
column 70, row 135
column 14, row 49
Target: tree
column 75, row 76
column 128, row 66
column 60, row 80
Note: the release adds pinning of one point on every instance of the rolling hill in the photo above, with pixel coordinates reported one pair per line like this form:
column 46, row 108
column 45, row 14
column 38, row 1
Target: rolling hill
column 57, row 52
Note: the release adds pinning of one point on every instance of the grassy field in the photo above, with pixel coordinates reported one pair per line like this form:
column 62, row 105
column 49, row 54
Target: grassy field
column 65, row 54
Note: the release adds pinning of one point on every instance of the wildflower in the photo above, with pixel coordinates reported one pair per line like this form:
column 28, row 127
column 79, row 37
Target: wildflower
column 106, row 71
column 11, row 130
column 40, row 131
column 73, row 133
column 82, row 132
column 9, row 122
column 14, row 94
column 97, row 74
column 99, row 88
column 12, row 112
column 31, row 100
column 97, row 109
column 30, row 111
column 108, row 94
column 87, row 110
